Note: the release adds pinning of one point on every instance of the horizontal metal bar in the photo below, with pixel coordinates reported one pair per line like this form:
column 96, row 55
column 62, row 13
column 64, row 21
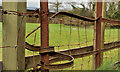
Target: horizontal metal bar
column 78, row 50
column 85, row 54
column 94, row 52
column 38, row 48
column 88, row 48
column 76, row 53
column 110, row 21
column 84, row 18
column 75, row 16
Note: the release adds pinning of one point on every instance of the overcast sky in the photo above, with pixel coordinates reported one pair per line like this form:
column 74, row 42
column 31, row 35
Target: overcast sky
column 36, row 3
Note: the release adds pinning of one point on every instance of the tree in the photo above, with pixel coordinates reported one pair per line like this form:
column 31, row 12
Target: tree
column 56, row 5
column 83, row 11
column 113, row 10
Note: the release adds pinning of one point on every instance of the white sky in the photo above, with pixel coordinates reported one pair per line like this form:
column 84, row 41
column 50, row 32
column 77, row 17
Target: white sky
column 36, row 3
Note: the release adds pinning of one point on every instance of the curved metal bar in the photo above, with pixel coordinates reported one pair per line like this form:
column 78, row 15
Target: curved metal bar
column 31, row 47
column 110, row 21
column 59, row 57
column 75, row 16
column 37, row 48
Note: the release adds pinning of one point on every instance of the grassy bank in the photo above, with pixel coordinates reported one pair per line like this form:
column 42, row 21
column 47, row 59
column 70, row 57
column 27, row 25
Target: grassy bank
column 76, row 35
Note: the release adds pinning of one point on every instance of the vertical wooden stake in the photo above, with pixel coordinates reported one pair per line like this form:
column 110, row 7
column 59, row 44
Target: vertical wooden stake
column 0, row 66
column 104, row 7
column 119, row 36
column 13, row 34
column 44, row 33
column 97, row 46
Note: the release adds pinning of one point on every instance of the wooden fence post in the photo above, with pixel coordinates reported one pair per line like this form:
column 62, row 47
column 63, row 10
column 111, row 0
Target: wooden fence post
column 97, row 41
column 119, row 36
column 103, row 28
column 13, row 34
column 0, row 66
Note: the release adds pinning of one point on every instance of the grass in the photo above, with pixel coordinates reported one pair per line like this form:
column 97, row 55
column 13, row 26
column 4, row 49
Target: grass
column 0, row 41
column 110, row 57
column 77, row 35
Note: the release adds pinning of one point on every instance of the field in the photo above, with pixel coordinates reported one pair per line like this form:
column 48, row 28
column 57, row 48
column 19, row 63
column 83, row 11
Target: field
column 77, row 35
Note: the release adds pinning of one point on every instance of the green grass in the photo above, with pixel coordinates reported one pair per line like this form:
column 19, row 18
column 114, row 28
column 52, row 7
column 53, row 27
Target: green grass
column 0, row 41
column 56, row 39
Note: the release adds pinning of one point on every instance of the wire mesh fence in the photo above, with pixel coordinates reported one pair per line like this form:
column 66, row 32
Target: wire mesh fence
column 72, row 33
column 68, row 33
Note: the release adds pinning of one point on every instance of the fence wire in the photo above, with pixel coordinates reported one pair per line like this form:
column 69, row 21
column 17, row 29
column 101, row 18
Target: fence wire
column 110, row 57
column 66, row 33
column 73, row 33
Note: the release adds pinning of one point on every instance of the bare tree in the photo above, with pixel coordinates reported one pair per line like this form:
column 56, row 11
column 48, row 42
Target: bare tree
column 81, row 9
column 56, row 5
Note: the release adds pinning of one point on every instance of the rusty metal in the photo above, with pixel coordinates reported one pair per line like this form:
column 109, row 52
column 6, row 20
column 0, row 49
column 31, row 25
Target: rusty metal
column 94, row 52
column 67, row 57
column 76, row 53
column 73, row 51
column 75, row 16
column 56, row 57
column 9, row 46
column 85, row 18
column 33, row 31
column 37, row 48
column 44, row 33
column 98, row 35
column 20, row 13
column 60, row 57
column 34, row 13
column 110, row 21
column 45, row 50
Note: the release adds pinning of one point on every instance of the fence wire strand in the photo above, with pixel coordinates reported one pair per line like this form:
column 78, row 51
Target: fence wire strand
column 67, row 26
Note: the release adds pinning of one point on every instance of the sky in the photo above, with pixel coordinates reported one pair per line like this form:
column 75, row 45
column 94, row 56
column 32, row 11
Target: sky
column 36, row 3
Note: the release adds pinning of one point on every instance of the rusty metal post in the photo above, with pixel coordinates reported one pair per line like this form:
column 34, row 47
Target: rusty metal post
column 98, row 35
column 44, row 33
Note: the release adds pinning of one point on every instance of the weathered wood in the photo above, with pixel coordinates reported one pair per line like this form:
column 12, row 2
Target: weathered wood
column 103, row 28
column 0, row 66
column 103, row 24
column 76, row 53
column 13, row 34
column 95, row 15
column 119, row 36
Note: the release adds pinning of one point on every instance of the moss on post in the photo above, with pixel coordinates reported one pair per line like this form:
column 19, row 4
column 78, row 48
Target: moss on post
column 13, row 34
